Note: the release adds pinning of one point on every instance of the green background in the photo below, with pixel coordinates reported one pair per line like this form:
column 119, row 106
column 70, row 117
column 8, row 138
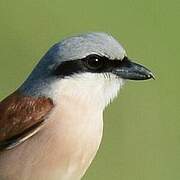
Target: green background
column 142, row 127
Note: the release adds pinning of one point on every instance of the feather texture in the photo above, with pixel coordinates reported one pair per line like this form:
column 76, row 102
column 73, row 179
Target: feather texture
column 21, row 117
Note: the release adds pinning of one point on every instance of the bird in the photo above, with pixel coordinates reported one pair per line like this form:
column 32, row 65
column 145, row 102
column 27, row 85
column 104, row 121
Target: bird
column 51, row 126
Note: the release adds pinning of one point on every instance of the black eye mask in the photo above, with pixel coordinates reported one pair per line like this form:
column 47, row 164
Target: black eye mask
column 92, row 63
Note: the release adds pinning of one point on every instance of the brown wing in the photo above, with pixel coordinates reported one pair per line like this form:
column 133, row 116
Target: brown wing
column 21, row 117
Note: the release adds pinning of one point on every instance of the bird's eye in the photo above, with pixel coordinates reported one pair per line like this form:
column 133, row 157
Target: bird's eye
column 94, row 62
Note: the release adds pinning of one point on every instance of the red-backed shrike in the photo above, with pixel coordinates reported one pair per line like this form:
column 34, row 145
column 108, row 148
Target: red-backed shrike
column 51, row 127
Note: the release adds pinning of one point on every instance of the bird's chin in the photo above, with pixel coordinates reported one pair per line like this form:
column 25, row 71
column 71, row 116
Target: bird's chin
column 112, row 87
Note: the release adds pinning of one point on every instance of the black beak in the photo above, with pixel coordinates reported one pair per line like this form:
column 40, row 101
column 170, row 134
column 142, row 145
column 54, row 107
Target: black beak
column 133, row 71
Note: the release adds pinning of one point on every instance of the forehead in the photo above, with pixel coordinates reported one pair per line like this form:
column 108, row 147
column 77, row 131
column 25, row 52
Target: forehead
column 78, row 47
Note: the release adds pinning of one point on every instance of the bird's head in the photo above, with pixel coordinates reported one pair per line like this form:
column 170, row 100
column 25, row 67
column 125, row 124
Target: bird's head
column 91, row 67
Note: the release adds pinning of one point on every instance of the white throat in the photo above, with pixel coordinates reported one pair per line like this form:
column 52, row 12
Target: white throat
column 94, row 89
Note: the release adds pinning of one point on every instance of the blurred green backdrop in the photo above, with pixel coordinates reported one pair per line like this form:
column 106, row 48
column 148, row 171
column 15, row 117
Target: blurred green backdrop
column 142, row 127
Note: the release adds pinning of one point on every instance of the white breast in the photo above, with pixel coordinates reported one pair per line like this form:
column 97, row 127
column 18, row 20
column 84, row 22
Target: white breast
column 63, row 150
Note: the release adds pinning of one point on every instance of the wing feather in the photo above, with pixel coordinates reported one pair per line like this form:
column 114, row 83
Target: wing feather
column 21, row 117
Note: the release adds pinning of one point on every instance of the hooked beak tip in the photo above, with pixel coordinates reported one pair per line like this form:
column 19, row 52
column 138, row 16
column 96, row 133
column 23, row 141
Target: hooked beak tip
column 151, row 76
